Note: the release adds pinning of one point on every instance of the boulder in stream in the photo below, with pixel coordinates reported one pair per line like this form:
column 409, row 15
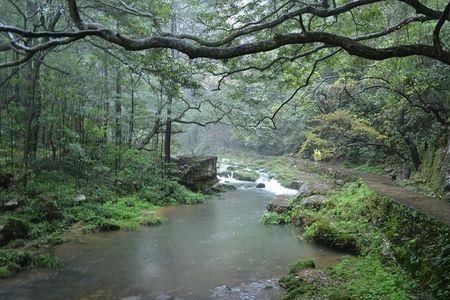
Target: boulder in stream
column 223, row 174
column 246, row 175
column 260, row 185
column 197, row 172
column 261, row 289
column 220, row 188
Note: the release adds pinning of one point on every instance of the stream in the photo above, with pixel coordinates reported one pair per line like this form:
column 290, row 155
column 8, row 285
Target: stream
column 215, row 250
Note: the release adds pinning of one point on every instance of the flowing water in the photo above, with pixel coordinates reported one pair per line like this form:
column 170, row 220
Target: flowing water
column 214, row 250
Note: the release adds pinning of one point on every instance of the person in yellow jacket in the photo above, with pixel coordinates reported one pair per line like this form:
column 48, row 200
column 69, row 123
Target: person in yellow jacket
column 317, row 155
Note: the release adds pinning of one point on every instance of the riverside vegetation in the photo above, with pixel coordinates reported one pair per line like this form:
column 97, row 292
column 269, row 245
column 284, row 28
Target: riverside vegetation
column 54, row 202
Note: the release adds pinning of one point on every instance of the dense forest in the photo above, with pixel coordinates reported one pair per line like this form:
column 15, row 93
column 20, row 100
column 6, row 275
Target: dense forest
column 103, row 104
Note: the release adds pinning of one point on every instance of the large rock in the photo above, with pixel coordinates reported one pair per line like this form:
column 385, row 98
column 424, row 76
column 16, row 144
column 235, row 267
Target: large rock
column 220, row 188
column 295, row 185
column 10, row 205
column 246, row 175
column 198, row 173
column 315, row 188
column 223, row 174
column 280, row 204
column 6, row 180
column 13, row 228
column 314, row 201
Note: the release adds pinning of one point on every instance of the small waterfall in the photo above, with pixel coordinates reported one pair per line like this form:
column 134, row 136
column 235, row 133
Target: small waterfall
column 271, row 184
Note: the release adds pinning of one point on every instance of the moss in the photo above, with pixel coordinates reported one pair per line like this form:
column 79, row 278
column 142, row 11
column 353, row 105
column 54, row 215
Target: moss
column 246, row 175
column 353, row 278
column 324, row 233
column 433, row 168
column 421, row 245
column 301, row 265
column 367, row 278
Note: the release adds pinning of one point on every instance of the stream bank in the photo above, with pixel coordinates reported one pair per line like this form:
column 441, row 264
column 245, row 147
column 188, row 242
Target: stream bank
column 391, row 246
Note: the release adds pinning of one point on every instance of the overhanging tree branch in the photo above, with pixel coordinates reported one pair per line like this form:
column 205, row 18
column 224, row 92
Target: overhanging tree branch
column 195, row 47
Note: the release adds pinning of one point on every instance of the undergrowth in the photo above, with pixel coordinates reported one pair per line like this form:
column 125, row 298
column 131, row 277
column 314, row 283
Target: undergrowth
column 345, row 223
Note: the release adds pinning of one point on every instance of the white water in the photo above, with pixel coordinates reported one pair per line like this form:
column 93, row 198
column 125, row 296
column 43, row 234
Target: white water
column 271, row 184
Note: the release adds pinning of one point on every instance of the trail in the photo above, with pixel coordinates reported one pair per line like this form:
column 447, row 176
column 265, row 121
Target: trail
column 435, row 208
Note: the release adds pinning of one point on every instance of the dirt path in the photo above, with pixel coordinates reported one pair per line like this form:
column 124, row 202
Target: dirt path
column 430, row 206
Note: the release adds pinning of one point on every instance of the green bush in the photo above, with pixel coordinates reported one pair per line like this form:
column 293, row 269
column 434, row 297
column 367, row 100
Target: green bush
column 273, row 218
column 13, row 261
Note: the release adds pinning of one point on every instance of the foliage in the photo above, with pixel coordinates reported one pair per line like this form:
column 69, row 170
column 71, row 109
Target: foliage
column 338, row 134
column 12, row 261
column 272, row 218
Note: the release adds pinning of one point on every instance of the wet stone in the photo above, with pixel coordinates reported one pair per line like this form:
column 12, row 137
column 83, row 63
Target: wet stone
column 262, row 289
column 280, row 204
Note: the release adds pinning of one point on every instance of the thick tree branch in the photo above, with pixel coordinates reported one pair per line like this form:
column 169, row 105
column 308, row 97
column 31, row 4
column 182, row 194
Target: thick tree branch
column 438, row 27
column 195, row 47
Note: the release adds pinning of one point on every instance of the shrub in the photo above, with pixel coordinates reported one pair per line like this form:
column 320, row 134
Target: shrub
column 13, row 261
column 273, row 218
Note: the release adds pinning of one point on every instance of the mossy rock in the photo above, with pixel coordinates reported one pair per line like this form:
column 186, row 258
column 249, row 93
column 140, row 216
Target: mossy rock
column 323, row 233
column 246, row 175
column 301, row 264
column 14, row 228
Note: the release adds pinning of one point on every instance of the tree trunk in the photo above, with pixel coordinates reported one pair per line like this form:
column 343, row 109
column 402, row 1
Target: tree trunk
column 32, row 125
column 131, row 133
column 168, row 131
column 118, row 110
column 414, row 153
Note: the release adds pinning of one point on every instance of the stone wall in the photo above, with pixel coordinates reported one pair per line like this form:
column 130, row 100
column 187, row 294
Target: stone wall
column 435, row 168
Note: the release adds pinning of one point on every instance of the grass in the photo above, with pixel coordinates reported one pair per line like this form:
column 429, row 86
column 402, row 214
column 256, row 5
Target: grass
column 301, row 265
column 273, row 218
column 367, row 168
column 12, row 261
